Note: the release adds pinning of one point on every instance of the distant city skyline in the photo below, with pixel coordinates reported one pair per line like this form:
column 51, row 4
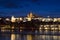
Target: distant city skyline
column 23, row 7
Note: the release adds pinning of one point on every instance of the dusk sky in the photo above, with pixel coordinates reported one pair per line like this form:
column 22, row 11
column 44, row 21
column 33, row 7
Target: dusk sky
column 23, row 7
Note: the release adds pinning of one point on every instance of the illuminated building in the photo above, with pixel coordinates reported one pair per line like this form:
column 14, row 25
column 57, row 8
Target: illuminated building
column 43, row 25
column 7, row 19
column 12, row 19
column 29, row 16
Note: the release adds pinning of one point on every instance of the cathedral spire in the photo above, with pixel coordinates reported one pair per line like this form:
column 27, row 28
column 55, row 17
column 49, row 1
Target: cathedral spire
column 30, row 15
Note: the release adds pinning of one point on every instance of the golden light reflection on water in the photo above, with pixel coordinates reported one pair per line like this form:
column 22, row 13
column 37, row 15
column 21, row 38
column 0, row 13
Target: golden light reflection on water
column 12, row 36
column 29, row 37
column 34, row 37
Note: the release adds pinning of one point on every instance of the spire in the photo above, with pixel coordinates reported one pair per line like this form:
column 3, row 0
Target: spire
column 12, row 19
column 30, row 15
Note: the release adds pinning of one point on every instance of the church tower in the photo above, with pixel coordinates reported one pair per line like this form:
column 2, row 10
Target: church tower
column 12, row 19
column 30, row 15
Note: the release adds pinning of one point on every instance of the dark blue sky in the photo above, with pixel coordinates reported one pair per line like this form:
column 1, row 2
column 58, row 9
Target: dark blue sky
column 23, row 7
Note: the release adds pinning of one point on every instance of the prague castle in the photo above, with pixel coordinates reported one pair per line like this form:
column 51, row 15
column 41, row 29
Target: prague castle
column 32, row 22
column 31, row 16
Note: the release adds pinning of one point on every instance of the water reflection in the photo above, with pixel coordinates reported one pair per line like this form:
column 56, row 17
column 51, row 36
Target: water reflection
column 12, row 36
column 43, row 34
column 28, row 37
column 19, row 37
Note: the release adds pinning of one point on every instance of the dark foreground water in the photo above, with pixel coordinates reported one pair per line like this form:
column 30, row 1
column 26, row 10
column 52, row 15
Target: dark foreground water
column 43, row 35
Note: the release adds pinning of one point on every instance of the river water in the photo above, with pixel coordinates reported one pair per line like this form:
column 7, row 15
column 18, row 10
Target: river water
column 36, row 35
column 40, row 36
